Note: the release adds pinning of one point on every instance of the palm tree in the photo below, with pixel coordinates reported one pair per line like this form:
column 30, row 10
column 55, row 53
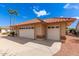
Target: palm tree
column 12, row 13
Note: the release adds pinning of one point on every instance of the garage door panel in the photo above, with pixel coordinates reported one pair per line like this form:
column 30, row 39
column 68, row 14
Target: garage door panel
column 29, row 33
column 53, row 34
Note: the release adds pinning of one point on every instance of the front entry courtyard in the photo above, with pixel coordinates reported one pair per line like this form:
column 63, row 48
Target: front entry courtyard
column 16, row 46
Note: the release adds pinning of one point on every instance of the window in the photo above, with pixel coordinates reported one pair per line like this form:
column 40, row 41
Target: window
column 52, row 27
column 57, row 26
column 32, row 27
column 22, row 27
column 49, row 27
column 19, row 28
column 28, row 27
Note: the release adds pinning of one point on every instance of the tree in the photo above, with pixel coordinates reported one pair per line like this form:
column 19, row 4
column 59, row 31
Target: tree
column 12, row 14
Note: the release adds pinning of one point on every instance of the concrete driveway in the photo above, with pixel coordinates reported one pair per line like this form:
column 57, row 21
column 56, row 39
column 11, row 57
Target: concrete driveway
column 14, row 46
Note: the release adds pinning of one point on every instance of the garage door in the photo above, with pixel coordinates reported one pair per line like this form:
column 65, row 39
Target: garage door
column 26, row 33
column 53, row 33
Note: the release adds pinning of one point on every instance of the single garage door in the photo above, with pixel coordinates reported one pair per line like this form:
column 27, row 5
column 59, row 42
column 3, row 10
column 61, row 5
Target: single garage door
column 53, row 33
column 26, row 33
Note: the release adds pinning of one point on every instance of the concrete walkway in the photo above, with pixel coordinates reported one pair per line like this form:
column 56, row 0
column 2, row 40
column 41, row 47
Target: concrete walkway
column 12, row 46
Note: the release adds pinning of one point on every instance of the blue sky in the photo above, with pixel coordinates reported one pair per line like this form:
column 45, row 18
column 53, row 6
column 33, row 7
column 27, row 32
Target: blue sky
column 28, row 11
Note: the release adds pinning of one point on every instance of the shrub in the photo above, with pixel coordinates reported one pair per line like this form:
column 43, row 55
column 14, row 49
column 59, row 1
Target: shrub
column 63, row 38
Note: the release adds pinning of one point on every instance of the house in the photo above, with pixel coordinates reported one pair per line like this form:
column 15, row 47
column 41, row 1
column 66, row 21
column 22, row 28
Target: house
column 5, row 29
column 52, row 28
column 77, row 27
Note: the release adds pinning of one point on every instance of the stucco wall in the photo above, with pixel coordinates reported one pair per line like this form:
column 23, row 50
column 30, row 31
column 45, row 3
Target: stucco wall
column 63, row 28
column 40, row 30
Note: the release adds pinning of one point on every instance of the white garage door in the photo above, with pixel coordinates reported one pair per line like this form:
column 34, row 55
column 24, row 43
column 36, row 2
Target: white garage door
column 26, row 33
column 53, row 33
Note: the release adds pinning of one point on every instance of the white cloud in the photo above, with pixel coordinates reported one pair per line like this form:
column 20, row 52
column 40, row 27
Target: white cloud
column 61, row 16
column 24, row 16
column 40, row 13
column 67, row 5
column 36, row 7
column 71, row 6
column 76, row 17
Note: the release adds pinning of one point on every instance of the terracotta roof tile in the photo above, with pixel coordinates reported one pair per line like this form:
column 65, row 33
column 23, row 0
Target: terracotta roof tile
column 54, row 20
column 30, row 22
column 50, row 20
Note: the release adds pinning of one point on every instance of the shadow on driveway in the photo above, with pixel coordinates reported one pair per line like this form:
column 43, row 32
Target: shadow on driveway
column 26, row 40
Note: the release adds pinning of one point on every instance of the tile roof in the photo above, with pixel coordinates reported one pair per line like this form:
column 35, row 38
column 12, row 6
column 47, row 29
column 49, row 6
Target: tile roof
column 50, row 20
column 30, row 22
column 54, row 20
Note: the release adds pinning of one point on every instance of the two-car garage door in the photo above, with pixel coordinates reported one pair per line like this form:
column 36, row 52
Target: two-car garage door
column 53, row 33
column 26, row 33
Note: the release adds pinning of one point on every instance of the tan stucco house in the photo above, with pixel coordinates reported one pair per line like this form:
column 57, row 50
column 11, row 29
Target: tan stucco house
column 77, row 27
column 51, row 29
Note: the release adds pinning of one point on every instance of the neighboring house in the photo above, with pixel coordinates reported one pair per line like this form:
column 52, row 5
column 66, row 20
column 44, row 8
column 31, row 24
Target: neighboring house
column 52, row 29
column 5, row 29
column 77, row 27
